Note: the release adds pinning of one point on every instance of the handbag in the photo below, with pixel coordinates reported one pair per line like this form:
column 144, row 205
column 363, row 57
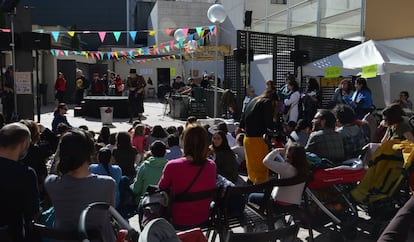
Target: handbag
column 157, row 203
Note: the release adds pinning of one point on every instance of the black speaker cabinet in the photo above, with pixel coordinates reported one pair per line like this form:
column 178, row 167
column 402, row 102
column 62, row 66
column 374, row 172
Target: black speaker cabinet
column 241, row 55
column 300, row 57
column 248, row 18
column 34, row 41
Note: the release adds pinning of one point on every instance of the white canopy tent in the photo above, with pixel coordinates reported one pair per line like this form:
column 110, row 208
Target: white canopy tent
column 388, row 60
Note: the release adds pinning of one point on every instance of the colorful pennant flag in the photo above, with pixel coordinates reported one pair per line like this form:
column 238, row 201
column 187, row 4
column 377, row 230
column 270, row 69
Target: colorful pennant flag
column 102, row 36
column 117, row 34
column 71, row 33
column 133, row 34
column 198, row 29
column 169, row 31
column 152, row 32
column 185, row 30
column 55, row 35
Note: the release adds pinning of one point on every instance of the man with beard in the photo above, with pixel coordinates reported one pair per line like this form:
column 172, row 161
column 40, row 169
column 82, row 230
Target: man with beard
column 324, row 141
column 18, row 183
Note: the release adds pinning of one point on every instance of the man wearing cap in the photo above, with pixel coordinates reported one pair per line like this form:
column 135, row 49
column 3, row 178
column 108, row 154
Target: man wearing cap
column 136, row 86
column 60, row 87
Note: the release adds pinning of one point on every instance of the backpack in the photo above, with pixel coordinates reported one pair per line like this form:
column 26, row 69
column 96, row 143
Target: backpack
column 154, row 204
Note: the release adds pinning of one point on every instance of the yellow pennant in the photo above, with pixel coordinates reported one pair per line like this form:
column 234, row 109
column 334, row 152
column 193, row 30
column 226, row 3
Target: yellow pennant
column 71, row 33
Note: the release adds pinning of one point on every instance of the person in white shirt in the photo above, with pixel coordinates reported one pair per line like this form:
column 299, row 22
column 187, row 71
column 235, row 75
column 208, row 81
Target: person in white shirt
column 287, row 163
column 292, row 103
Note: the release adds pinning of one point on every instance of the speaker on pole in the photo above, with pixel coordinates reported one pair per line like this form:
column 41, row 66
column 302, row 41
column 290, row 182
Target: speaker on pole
column 8, row 6
column 248, row 18
column 33, row 41
column 240, row 55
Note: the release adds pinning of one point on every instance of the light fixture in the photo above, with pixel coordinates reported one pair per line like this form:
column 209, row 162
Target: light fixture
column 179, row 36
column 216, row 14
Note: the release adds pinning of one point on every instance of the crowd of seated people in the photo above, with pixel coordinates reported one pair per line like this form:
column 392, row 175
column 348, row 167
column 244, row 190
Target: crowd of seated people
column 86, row 166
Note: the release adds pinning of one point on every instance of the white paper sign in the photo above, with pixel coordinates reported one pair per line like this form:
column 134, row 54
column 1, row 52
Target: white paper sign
column 145, row 71
column 23, row 83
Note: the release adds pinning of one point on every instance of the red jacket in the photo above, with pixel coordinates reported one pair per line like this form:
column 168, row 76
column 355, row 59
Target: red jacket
column 60, row 84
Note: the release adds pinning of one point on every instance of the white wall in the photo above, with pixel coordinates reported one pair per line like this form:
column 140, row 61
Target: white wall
column 207, row 65
column 234, row 21
column 172, row 14
column 260, row 71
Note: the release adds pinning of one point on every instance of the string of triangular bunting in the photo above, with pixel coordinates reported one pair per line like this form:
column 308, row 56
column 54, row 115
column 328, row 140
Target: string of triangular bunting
column 161, row 49
column 200, row 30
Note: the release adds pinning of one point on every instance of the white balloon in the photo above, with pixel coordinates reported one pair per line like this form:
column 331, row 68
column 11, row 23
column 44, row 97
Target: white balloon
column 179, row 35
column 192, row 45
column 216, row 13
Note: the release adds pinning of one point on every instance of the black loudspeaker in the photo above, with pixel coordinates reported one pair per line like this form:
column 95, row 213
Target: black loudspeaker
column 34, row 41
column 248, row 18
column 8, row 5
column 300, row 57
column 5, row 40
column 240, row 55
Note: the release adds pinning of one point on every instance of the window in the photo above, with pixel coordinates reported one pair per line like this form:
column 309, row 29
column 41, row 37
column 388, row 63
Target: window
column 278, row 1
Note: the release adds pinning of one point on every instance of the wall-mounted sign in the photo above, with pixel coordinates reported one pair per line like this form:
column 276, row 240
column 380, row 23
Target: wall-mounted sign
column 23, row 83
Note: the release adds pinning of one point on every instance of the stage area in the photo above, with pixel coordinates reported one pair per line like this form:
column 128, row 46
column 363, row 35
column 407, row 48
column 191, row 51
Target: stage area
column 93, row 103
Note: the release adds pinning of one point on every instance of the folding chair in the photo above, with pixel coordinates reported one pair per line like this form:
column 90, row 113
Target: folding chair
column 283, row 234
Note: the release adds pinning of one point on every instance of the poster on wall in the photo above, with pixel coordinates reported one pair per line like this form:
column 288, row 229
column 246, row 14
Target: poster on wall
column 145, row 71
column 23, row 83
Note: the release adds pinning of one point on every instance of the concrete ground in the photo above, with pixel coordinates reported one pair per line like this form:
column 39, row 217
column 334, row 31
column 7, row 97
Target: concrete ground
column 154, row 114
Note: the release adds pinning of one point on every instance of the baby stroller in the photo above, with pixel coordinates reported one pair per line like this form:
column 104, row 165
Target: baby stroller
column 327, row 199
column 122, row 230
column 385, row 187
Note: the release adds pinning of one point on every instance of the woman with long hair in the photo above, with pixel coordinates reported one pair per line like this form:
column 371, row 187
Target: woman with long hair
column 60, row 117
column 311, row 98
column 362, row 98
column 178, row 175
column 294, row 164
column 257, row 120
column 157, row 133
column 224, row 157
column 125, row 155
column 292, row 103
column 343, row 93
column 397, row 123
column 104, row 135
